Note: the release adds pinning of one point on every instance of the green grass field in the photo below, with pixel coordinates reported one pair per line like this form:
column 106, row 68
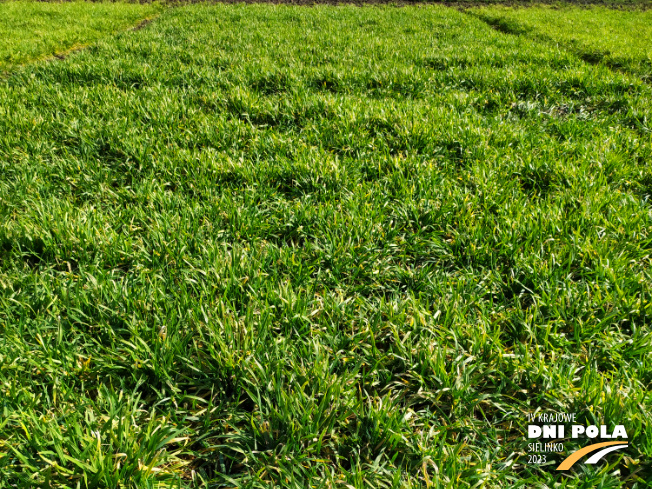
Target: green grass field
column 332, row 247
column 619, row 39
column 30, row 29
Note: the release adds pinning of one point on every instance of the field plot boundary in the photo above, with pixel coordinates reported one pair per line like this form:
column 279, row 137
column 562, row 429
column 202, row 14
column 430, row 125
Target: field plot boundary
column 457, row 4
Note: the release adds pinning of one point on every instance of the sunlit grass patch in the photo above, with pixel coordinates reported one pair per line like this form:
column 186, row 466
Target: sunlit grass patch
column 31, row 30
column 619, row 38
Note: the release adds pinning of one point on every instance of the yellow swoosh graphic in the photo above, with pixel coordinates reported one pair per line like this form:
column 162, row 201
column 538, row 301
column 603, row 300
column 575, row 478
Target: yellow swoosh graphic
column 575, row 456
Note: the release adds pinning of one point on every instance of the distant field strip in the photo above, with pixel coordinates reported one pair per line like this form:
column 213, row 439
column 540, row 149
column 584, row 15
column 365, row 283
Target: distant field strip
column 32, row 30
column 620, row 38
column 269, row 246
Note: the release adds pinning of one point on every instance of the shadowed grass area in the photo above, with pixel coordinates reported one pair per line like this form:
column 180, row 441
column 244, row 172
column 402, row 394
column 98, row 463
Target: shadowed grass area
column 31, row 30
column 263, row 246
column 620, row 39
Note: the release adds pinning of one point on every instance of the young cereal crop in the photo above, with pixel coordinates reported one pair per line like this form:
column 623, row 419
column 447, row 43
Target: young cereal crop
column 619, row 39
column 30, row 29
column 272, row 246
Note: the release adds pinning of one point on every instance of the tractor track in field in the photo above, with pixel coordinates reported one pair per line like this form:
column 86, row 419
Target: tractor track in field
column 62, row 55
column 592, row 58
